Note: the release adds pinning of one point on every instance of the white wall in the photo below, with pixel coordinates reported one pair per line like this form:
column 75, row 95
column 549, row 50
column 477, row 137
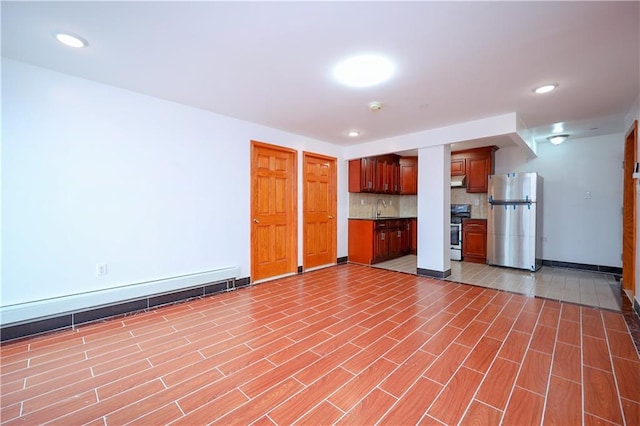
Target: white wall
column 434, row 212
column 634, row 114
column 95, row 174
column 577, row 229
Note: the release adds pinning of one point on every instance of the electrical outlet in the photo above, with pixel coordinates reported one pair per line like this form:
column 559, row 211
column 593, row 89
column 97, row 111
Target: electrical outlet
column 476, row 202
column 587, row 195
column 101, row 269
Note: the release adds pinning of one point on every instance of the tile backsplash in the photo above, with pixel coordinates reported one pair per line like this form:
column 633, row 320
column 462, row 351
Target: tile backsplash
column 461, row 196
column 363, row 206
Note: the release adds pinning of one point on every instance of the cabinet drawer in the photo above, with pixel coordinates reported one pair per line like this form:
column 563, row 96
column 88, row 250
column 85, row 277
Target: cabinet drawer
column 474, row 224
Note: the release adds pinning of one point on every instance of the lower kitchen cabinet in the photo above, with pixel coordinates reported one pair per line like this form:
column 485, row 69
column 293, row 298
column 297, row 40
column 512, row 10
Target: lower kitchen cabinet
column 474, row 240
column 373, row 241
column 413, row 229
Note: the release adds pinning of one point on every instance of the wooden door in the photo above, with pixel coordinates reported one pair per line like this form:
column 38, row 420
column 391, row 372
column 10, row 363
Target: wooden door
column 319, row 207
column 273, row 211
column 629, row 211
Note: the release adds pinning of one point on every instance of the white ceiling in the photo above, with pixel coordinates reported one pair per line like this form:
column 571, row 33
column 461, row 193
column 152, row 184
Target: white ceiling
column 270, row 63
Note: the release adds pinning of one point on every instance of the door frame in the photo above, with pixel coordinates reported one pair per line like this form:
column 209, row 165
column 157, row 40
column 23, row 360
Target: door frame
column 292, row 223
column 333, row 208
column 629, row 210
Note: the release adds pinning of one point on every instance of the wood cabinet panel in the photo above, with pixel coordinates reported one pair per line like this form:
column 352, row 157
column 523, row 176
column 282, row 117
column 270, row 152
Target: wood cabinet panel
column 361, row 175
column 478, row 171
column 477, row 164
column 409, row 175
column 413, row 225
column 474, row 240
column 457, row 165
column 361, row 241
column 373, row 241
column 380, row 175
column 381, row 245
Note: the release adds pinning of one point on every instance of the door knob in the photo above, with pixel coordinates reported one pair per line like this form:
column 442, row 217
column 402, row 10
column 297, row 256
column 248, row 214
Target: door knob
column 330, row 217
column 256, row 220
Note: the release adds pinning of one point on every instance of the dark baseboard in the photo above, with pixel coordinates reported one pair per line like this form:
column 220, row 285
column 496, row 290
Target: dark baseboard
column 343, row 259
column 433, row 274
column 73, row 319
column 583, row 266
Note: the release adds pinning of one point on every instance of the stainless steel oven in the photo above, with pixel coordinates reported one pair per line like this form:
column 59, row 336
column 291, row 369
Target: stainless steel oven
column 458, row 212
column 456, row 241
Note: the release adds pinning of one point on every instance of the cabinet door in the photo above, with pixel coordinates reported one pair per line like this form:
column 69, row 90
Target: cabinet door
column 414, row 235
column 474, row 241
column 478, row 171
column 361, row 174
column 408, row 176
column 380, row 176
column 458, row 165
column 388, row 178
column 394, row 178
column 405, row 229
column 395, row 242
column 367, row 174
column 381, row 245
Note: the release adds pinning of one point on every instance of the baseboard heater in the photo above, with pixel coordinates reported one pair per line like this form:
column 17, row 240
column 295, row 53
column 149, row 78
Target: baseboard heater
column 40, row 310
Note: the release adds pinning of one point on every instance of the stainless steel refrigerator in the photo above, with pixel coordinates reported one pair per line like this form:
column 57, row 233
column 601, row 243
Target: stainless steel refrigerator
column 514, row 221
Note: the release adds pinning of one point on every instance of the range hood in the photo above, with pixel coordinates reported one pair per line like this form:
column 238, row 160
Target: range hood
column 457, row 181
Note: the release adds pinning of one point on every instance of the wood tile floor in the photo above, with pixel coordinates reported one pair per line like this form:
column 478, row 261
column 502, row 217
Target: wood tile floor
column 588, row 288
column 344, row 345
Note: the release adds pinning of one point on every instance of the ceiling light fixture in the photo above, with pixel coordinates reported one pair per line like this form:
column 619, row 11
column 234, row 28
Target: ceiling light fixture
column 557, row 139
column 546, row 88
column 364, row 71
column 375, row 106
column 353, row 133
column 71, row 40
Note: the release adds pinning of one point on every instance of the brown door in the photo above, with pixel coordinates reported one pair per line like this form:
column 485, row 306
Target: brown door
column 319, row 206
column 629, row 211
column 273, row 211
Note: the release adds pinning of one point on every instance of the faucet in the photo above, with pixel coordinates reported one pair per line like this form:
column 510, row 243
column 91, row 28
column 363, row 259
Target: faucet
column 384, row 203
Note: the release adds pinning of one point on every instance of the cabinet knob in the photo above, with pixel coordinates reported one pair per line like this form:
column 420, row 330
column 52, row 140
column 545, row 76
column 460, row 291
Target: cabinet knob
column 330, row 217
column 256, row 220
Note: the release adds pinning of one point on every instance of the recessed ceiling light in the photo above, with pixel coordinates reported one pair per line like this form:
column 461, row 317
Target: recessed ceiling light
column 546, row 88
column 558, row 128
column 364, row 71
column 70, row 40
column 353, row 133
column 557, row 139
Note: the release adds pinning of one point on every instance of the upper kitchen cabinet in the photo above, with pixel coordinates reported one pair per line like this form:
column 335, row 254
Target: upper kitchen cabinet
column 380, row 175
column 457, row 164
column 362, row 175
column 409, row 175
column 477, row 164
column 387, row 181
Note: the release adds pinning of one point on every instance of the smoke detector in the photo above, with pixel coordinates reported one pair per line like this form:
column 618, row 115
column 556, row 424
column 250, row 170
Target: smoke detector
column 375, row 106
